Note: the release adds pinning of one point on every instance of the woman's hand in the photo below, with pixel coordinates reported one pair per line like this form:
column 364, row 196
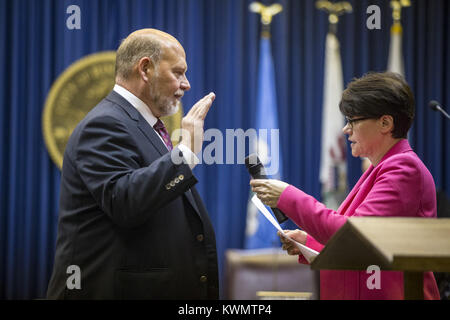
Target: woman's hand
column 288, row 245
column 268, row 191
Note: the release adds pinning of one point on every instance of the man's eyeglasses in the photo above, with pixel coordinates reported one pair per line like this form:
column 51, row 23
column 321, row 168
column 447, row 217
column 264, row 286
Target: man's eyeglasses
column 350, row 122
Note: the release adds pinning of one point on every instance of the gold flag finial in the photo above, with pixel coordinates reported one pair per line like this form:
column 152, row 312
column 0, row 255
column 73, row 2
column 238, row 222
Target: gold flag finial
column 397, row 6
column 266, row 12
column 334, row 9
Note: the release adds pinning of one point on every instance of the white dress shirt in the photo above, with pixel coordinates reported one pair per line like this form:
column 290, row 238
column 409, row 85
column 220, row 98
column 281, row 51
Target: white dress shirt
column 191, row 159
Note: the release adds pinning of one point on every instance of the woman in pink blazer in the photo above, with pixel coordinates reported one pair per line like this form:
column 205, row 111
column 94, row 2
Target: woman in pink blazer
column 379, row 108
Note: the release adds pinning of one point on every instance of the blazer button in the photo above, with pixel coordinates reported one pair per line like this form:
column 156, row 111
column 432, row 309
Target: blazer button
column 177, row 180
column 172, row 184
column 203, row 279
column 199, row 237
column 181, row 177
column 167, row 186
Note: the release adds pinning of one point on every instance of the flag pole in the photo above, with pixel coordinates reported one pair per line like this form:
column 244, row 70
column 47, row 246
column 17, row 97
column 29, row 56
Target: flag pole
column 267, row 13
column 334, row 10
column 333, row 175
column 266, row 105
column 395, row 62
column 259, row 232
column 397, row 6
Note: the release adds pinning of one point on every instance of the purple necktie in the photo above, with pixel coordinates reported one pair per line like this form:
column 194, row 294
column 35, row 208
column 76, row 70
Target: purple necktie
column 161, row 129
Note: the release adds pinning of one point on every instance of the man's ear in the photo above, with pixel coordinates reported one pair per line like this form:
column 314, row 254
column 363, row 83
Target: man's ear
column 387, row 124
column 145, row 68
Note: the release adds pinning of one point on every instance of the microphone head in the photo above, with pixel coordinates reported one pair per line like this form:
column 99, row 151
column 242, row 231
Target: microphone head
column 255, row 167
column 433, row 104
column 252, row 160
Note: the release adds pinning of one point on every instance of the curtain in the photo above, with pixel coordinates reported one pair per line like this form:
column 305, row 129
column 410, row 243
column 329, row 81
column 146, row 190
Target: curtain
column 221, row 40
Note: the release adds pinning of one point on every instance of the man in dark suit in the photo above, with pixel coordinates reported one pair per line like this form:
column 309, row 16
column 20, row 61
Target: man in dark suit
column 131, row 222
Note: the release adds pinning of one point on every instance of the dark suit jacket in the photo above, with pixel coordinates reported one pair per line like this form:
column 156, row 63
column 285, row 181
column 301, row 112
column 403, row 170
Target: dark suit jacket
column 129, row 217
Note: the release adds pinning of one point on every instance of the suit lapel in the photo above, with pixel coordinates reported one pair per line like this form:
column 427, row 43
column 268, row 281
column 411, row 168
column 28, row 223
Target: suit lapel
column 143, row 125
column 152, row 135
column 343, row 208
column 149, row 133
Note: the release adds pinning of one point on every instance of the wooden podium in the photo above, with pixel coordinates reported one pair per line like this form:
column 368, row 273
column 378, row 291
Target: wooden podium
column 412, row 245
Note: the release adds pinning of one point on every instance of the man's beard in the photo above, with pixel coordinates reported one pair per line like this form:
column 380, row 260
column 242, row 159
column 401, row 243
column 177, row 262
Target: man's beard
column 165, row 106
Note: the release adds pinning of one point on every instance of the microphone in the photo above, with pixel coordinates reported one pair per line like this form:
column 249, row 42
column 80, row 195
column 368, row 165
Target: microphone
column 257, row 171
column 436, row 106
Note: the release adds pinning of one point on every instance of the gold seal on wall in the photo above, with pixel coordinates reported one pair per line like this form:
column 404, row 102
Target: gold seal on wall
column 76, row 91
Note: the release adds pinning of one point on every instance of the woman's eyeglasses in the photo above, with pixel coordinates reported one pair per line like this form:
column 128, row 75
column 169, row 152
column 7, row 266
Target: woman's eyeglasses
column 350, row 122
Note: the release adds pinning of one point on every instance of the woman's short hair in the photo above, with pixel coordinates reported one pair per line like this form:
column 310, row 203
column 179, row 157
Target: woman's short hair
column 376, row 94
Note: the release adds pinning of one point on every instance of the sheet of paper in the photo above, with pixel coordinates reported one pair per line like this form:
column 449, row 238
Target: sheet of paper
column 308, row 253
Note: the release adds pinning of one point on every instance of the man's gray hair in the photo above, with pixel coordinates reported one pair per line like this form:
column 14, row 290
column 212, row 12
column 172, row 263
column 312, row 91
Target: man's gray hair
column 132, row 49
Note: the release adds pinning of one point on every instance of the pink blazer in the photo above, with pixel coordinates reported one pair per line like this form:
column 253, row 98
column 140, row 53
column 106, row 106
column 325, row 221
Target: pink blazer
column 401, row 186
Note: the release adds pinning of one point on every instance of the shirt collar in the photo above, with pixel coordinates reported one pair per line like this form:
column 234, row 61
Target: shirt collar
column 140, row 105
